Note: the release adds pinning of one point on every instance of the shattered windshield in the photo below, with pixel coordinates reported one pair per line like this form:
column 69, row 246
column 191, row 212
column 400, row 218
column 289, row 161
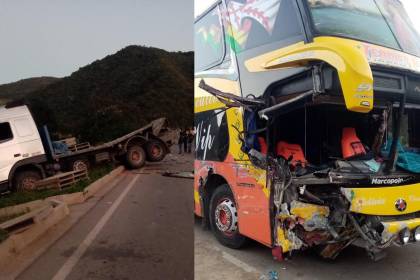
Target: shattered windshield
column 380, row 22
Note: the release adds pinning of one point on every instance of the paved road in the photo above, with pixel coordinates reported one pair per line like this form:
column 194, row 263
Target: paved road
column 141, row 229
column 213, row 261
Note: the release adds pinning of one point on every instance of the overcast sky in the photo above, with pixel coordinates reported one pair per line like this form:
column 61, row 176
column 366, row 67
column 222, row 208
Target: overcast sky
column 57, row 37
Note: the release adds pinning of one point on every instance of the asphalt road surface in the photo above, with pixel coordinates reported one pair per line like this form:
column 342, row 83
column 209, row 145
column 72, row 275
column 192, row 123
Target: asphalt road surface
column 141, row 229
column 213, row 261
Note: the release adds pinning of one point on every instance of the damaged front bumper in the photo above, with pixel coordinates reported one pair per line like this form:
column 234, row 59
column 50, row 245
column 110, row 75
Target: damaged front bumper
column 384, row 215
column 374, row 218
column 393, row 229
column 384, row 201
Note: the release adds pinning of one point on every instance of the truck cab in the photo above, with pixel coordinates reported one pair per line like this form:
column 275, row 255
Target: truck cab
column 20, row 143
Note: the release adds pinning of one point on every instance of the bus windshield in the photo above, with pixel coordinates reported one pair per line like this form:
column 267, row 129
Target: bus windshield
column 380, row 22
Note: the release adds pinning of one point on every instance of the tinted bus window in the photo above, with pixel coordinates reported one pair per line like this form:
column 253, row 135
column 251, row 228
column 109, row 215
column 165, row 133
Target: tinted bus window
column 261, row 22
column 212, row 136
column 209, row 46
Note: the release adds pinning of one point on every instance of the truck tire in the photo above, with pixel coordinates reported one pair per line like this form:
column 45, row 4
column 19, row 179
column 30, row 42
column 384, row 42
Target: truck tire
column 155, row 151
column 80, row 164
column 135, row 157
column 224, row 218
column 25, row 180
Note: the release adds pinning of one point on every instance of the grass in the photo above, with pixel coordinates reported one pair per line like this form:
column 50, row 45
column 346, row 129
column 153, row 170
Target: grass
column 23, row 197
column 3, row 235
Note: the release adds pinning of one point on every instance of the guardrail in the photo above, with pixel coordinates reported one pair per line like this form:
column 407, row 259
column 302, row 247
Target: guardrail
column 62, row 180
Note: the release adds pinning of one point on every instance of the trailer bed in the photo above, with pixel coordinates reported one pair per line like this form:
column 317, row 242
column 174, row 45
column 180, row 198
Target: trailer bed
column 155, row 127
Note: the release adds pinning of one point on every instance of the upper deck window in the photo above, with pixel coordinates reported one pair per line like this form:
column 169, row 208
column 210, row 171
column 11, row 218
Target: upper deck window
column 260, row 22
column 209, row 44
column 381, row 22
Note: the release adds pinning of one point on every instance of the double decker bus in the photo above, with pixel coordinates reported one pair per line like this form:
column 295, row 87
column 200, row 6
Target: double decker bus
column 307, row 115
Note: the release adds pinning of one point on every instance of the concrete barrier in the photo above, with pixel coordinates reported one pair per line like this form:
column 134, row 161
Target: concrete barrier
column 69, row 199
column 41, row 221
column 43, row 214
column 25, row 207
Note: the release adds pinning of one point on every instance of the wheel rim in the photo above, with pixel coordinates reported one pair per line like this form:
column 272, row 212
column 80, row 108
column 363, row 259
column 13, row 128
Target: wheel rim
column 79, row 165
column 226, row 216
column 223, row 217
column 28, row 184
column 135, row 156
column 156, row 151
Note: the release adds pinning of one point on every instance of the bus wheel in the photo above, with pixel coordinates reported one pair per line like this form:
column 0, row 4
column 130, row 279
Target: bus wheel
column 224, row 218
column 25, row 180
column 135, row 157
column 155, row 151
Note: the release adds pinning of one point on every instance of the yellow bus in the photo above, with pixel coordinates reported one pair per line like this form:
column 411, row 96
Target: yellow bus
column 308, row 124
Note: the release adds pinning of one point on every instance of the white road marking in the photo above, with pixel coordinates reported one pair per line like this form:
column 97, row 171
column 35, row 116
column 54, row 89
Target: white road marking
column 237, row 262
column 75, row 257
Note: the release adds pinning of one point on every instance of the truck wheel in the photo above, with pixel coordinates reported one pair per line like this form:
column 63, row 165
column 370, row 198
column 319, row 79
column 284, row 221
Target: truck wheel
column 224, row 218
column 135, row 157
column 155, row 151
column 25, row 180
column 80, row 164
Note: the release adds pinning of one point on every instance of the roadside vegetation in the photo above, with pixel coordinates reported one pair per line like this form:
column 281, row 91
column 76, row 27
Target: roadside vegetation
column 3, row 235
column 22, row 197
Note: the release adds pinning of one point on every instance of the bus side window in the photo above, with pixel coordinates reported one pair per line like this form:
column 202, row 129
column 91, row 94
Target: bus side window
column 212, row 135
column 6, row 133
column 208, row 39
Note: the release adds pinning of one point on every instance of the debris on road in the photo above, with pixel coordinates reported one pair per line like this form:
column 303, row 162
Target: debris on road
column 182, row 174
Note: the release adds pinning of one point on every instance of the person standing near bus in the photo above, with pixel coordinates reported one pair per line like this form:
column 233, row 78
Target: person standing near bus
column 185, row 140
column 181, row 140
column 190, row 138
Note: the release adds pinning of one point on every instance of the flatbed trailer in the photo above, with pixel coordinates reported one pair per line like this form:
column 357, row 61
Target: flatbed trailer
column 155, row 139
column 27, row 154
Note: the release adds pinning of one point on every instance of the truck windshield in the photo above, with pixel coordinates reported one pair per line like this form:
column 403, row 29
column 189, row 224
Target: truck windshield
column 380, row 22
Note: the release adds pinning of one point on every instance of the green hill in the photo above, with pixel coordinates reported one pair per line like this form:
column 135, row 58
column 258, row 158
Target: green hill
column 117, row 94
column 23, row 87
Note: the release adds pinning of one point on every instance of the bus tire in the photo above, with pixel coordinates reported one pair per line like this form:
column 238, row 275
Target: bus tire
column 155, row 151
column 135, row 157
column 25, row 180
column 224, row 218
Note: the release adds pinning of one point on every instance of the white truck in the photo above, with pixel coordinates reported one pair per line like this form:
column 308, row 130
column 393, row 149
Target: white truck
column 27, row 153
